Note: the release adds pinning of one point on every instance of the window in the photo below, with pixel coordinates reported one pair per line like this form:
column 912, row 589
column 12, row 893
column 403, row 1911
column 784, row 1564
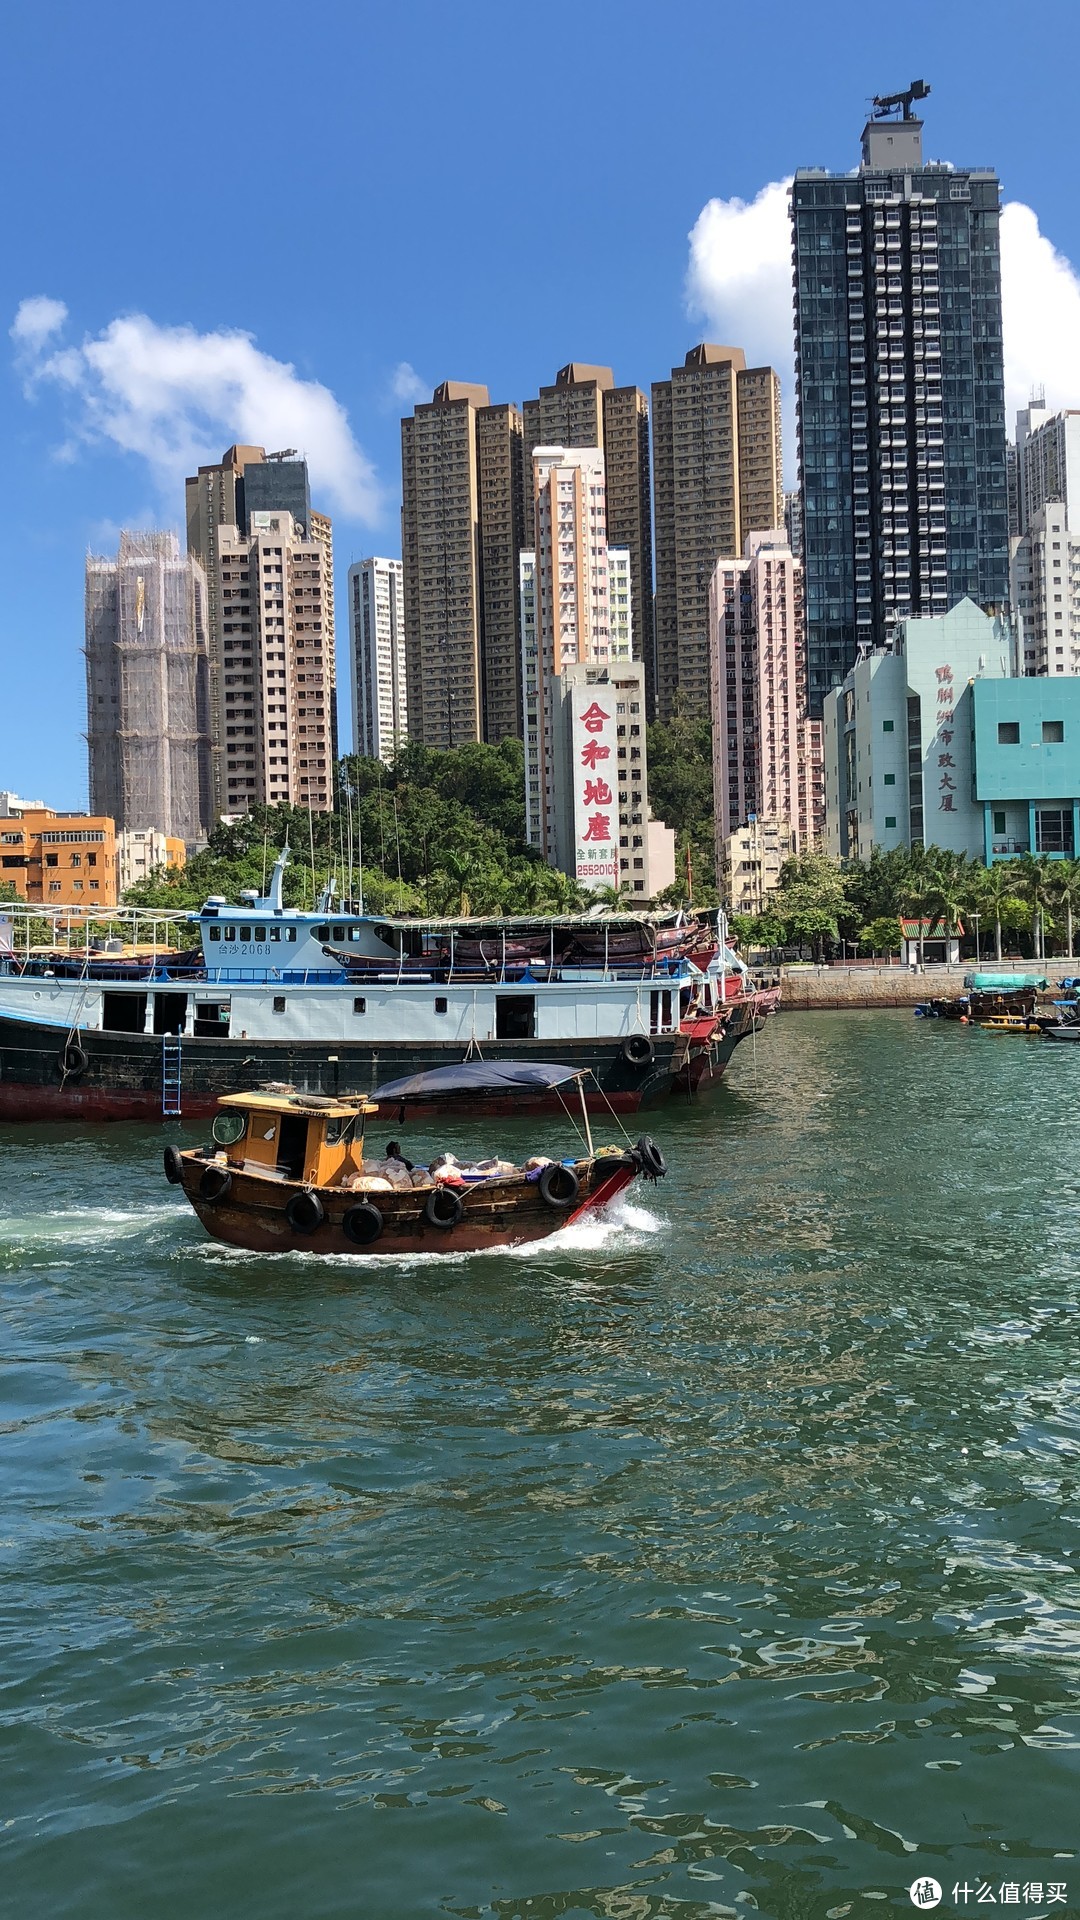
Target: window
column 890, row 819
column 440, row 1003
column 279, row 1003
column 215, row 933
column 1053, row 732
column 275, row 933
column 1008, row 733
column 999, row 820
column 1053, row 830
column 52, row 859
column 887, row 727
column 890, row 779
column 359, row 1005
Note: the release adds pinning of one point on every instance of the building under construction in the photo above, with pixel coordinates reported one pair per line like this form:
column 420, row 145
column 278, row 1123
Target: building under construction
column 147, row 688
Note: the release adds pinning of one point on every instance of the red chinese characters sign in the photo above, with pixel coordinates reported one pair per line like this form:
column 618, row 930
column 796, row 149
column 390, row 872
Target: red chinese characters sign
column 596, row 781
column 946, row 766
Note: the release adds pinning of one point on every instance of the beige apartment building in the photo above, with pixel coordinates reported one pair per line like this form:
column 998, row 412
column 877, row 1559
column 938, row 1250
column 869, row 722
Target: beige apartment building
column 277, row 670
column 461, row 528
column 750, row 863
column 584, row 408
column 717, row 477
column 226, row 497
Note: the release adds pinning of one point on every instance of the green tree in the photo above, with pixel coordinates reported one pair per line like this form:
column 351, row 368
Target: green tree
column 1034, row 874
column 882, row 935
column 1066, row 894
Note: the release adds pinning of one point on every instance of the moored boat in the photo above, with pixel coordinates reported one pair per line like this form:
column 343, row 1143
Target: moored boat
column 271, row 998
column 288, row 1172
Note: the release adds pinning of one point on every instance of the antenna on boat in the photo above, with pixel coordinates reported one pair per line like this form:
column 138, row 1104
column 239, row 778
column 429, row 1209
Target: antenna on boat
column 278, row 874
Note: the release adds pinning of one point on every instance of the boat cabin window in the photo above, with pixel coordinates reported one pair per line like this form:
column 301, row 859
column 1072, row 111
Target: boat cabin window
column 515, row 1016
column 260, row 933
column 212, row 1019
column 279, row 1003
column 440, row 1003
column 322, row 933
column 355, row 933
column 215, row 933
column 245, row 933
column 229, row 1126
column 275, row 933
column 660, row 1011
column 170, row 1012
column 340, row 1133
column 290, row 933
column 339, row 933
column 229, row 933
column 123, row 1012
column 359, row 1005
column 292, row 1144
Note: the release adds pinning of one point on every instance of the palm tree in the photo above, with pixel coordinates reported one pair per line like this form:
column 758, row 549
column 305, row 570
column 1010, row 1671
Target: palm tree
column 1066, row 886
column 995, row 885
column 1035, row 883
column 612, row 897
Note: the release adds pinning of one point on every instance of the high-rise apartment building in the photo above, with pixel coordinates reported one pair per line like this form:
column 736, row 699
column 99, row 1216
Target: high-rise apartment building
column 717, row 477
column 586, row 776
column 377, row 657
column 147, row 688
column 758, row 690
column 247, row 482
column 1047, row 463
column 1045, row 592
column 900, row 394
column 276, row 733
column 461, row 534
column 584, row 408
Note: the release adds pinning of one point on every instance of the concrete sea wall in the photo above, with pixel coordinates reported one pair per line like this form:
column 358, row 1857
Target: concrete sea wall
column 805, row 989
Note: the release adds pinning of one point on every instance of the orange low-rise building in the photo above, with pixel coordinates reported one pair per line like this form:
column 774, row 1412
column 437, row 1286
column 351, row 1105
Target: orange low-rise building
column 60, row 859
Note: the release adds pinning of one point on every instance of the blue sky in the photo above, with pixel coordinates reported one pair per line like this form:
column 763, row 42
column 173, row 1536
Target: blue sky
column 479, row 193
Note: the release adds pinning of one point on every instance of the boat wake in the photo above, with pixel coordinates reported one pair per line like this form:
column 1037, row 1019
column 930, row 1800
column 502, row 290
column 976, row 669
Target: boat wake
column 616, row 1230
column 76, row 1225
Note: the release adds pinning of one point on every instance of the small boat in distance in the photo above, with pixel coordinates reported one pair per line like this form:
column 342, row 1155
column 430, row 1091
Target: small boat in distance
column 287, row 1172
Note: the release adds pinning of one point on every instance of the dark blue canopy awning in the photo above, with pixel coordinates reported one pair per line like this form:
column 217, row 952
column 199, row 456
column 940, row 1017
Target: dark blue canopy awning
column 476, row 1076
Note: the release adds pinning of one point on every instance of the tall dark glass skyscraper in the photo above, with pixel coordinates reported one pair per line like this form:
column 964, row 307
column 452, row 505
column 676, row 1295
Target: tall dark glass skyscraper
column 901, row 397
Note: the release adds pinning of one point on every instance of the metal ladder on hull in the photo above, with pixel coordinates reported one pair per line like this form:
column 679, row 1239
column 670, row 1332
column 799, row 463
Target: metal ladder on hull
column 171, row 1070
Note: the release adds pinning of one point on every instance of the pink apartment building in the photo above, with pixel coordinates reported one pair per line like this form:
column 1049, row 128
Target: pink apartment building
column 766, row 755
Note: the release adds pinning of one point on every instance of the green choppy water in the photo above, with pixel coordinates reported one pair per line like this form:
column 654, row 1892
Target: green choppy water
column 724, row 1557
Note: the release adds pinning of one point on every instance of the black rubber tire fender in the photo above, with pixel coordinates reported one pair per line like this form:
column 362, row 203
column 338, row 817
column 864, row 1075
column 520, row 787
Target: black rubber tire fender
column 74, row 1060
column 174, row 1166
column 559, row 1186
column 638, row 1050
column 652, row 1160
column 363, row 1224
column 443, row 1208
column 305, row 1213
column 216, row 1183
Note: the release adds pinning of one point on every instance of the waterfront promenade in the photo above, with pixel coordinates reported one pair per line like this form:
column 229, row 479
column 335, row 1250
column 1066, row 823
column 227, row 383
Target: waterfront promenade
column 817, row 989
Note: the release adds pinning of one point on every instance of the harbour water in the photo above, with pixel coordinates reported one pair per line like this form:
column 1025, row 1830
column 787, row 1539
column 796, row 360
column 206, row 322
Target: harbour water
column 725, row 1556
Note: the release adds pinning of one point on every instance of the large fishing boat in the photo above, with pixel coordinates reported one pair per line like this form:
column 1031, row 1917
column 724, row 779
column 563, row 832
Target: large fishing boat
column 335, row 1001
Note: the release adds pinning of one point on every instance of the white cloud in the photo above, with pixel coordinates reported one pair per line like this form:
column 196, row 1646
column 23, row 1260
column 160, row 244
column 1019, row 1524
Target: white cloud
column 36, row 319
column 739, row 283
column 739, row 277
column 1040, row 299
column 176, row 398
column 407, row 386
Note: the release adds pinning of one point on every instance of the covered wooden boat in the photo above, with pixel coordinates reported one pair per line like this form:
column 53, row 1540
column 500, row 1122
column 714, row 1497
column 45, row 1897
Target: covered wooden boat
column 287, row 1171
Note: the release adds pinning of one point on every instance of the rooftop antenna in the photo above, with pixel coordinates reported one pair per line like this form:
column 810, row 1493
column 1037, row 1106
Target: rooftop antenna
column 884, row 105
